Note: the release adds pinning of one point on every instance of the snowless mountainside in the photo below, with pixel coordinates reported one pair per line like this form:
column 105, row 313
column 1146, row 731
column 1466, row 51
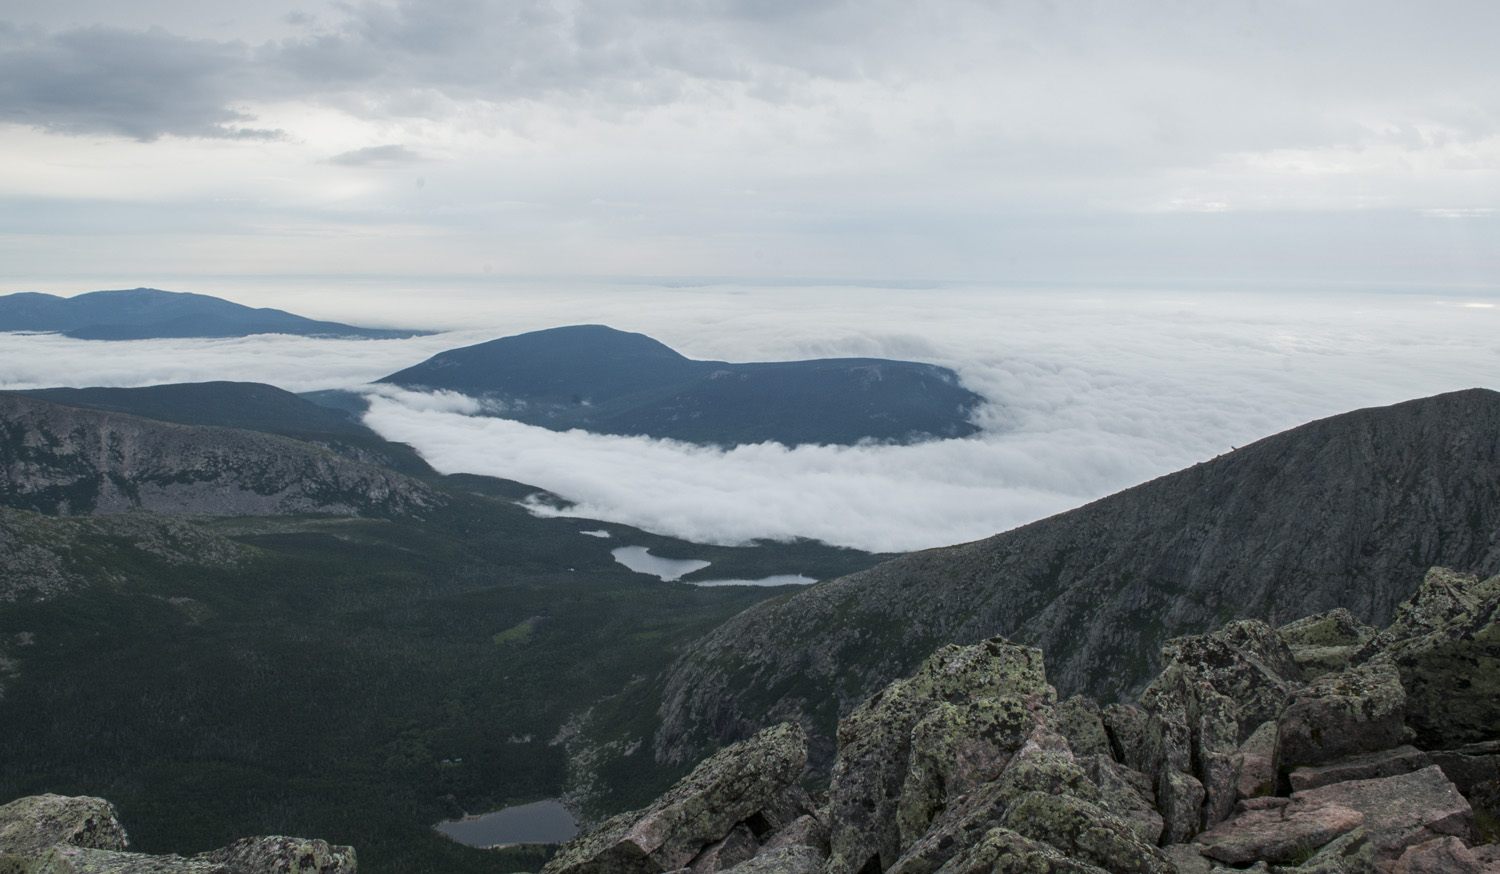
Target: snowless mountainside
column 1346, row 512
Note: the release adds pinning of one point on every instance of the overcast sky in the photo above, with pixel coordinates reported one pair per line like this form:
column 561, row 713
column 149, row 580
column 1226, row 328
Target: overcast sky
column 1345, row 141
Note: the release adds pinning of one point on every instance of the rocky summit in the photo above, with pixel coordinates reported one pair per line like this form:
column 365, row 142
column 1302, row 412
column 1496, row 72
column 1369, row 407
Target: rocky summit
column 55, row 834
column 1324, row 746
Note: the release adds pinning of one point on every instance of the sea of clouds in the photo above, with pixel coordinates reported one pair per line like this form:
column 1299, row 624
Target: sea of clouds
column 1090, row 391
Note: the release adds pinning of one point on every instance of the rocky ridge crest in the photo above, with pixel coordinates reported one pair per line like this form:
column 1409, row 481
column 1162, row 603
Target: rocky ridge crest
column 1324, row 746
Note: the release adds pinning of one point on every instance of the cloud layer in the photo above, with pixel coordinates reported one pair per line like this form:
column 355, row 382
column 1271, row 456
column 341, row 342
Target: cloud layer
column 1091, row 391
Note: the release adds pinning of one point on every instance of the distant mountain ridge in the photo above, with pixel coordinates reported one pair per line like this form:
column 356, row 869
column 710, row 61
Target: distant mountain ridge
column 600, row 379
column 68, row 461
column 149, row 313
column 1347, row 511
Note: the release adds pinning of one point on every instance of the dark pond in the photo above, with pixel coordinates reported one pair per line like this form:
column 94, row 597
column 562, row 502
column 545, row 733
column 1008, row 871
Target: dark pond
column 541, row 822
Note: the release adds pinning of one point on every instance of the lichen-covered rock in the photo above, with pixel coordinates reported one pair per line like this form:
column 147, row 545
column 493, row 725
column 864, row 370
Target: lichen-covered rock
column 1384, row 763
column 1261, row 641
column 1127, row 794
column 1337, row 627
column 1002, row 851
column 1188, row 858
column 953, row 833
column 1259, row 762
column 1238, row 674
column 1349, row 853
column 31, row 825
column 1126, row 726
column 1452, row 678
column 1278, row 833
column 794, row 859
column 1180, row 797
column 1080, row 721
column 955, row 748
column 1445, row 855
column 700, row 809
column 1359, row 710
column 1400, row 811
column 1045, row 764
column 273, row 854
column 875, row 740
column 1085, row 832
column 66, row 859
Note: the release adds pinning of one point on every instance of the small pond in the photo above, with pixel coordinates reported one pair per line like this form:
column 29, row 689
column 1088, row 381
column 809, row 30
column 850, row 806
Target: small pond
column 541, row 822
column 640, row 560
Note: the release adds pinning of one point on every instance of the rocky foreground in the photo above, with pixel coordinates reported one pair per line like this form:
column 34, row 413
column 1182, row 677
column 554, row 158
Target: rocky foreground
column 55, row 834
column 1320, row 747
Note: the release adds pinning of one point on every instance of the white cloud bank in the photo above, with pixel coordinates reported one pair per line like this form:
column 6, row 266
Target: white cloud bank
column 1091, row 391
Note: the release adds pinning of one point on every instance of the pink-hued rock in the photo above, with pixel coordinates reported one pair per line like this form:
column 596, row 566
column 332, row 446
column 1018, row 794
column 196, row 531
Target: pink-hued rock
column 1445, row 855
column 1258, row 760
column 1401, row 811
column 1385, row 763
column 736, row 847
column 1358, row 710
column 1277, row 833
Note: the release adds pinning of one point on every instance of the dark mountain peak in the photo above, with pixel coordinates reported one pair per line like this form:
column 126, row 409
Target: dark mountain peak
column 1347, row 511
column 147, row 313
column 614, row 382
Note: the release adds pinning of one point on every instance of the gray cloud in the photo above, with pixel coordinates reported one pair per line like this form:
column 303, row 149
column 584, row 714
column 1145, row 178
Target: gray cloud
column 138, row 84
column 388, row 155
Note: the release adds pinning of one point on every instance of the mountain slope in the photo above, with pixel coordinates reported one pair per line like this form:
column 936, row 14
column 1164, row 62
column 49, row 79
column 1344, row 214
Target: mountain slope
column 251, row 406
column 1344, row 512
column 147, row 313
column 70, row 461
column 599, row 379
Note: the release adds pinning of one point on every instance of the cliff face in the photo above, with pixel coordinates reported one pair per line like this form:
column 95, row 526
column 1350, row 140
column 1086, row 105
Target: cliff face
column 1321, row 747
column 1344, row 512
column 66, row 461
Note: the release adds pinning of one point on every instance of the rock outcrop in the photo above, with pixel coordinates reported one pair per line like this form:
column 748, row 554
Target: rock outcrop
column 1344, row 514
column 1253, row 749
column 55, row 834
column 67, row 461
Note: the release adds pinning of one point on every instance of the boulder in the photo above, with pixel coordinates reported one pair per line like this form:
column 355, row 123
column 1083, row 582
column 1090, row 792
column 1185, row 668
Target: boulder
column 1336, row 627
column 1384, row 763
column 1452, row 678
column 955, row 748
column 1262, row 642
column 1278, row 833
column 1239, row 674
column 736, row 847
column 1126, row 726
column 1445, row 855
column 1180, row 798
column 875, row 749
column 1402, row 810
column 1349, row 853
column 1084, row 831
column 1475, row 771
column 1188, row 858
column 1358, row 710
column 31, row 825
column 953, row 833
column 783, row 860
column 1259, row 762
column 1127, row 794
column 702, row 808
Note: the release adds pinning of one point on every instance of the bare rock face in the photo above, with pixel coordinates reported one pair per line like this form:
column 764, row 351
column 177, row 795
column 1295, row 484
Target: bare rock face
column 701, row 809
column 28, row 826
column 278, row 853
column 1446, row 855
column 1452, row 675
column 1385, row 763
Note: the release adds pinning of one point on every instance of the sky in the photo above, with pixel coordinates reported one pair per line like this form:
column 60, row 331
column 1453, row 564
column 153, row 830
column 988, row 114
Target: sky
column 1235, row 143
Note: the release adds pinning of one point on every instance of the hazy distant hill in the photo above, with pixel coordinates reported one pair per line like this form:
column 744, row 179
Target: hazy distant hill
column 1348, row 511
column 148, row 313
column 599, row 379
